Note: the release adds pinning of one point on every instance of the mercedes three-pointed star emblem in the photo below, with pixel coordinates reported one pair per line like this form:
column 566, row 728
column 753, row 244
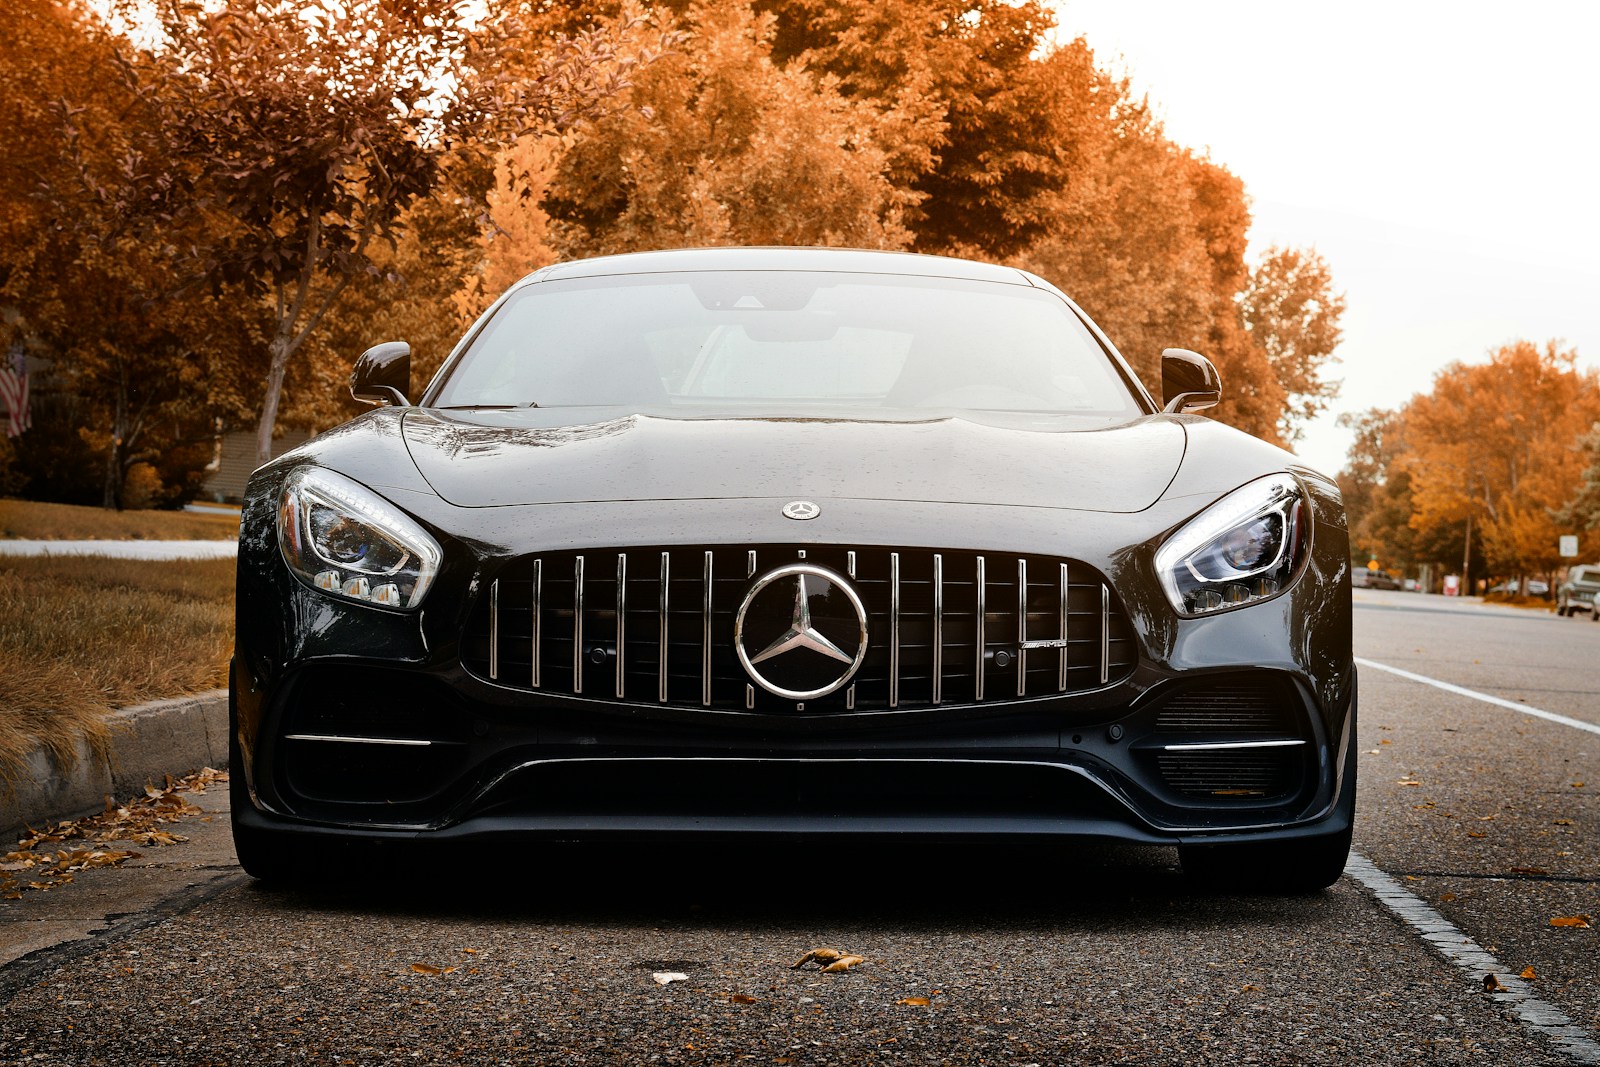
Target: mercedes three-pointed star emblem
column 804, row 649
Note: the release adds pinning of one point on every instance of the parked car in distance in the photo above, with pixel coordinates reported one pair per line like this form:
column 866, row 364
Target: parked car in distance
column 1361, row 577
column 1577, row 593
column 778, row 544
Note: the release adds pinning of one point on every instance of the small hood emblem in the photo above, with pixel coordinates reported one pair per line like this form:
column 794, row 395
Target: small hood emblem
column 801, row 509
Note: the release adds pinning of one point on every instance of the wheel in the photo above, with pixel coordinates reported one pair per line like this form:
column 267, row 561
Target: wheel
column 1306, row 865
column 1563, row 610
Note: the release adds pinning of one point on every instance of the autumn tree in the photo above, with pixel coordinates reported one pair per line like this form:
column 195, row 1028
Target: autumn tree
column 1494, row 448
column 132, row 378
column 1292, row 311
column 723, row 146
column 291, row 137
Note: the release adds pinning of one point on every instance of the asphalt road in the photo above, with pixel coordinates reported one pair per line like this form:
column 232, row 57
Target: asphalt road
column 1484, row 813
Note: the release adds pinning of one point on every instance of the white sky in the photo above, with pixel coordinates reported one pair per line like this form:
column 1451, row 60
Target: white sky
column 1443, row 157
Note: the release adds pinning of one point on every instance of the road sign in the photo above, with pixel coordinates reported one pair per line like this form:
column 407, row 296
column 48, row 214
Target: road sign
column 1569, row 545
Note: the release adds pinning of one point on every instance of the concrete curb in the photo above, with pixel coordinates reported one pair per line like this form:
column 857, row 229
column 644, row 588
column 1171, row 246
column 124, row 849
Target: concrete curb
column 148, row 742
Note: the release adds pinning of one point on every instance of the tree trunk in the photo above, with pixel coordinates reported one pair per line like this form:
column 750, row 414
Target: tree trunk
column 280, row 351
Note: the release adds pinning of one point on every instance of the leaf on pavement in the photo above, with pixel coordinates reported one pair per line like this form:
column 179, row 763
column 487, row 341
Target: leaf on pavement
column 668, row 977
column 843, row 963
column 1491, row 983
column 915, row 1002
column 741, row 998
column 1447, row 897
column 428, row 968
column 818, row 956
column 1573, row 922
column 1407, row 781
column 1528, row 973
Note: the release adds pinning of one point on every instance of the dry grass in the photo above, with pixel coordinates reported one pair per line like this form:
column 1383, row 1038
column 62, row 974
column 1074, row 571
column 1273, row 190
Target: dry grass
column 82, row 636
column 30, row 520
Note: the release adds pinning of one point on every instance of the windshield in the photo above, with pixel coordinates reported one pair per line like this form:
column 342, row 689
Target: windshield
column 760, row 339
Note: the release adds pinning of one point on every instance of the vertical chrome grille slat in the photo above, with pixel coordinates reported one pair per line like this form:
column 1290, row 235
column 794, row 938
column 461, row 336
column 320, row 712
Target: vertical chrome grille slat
column 1022, row 627
column 1066, row 597
column 663, row 640
column 705, row 634
column 894, row 629
column 577, row 625
column 1105, row 634
column 494, row 630
column 938, row 627
column 538, row 573
column 622, row 622
column 981, row 638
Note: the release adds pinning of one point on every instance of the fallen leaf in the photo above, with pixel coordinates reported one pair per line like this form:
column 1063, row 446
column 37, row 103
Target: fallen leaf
column 1491, row 984
column 1408, row 781
column 818, row 955
column 1563, row 822
column 843, row 963
column 916, row 1002
column 1529, row 870
column 741, row 998
column 1578, row 785
column 1474, row 833
column 1575, row 922
column 668, row 977
column 1527, row 972
column 1386, row 741
column 1250, row 988
column 1447, row 897
column 426, row 968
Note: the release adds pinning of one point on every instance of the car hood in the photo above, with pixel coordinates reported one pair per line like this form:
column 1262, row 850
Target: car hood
column 488, row 458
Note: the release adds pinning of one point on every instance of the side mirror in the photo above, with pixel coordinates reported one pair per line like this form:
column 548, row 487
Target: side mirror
column 1188, row 382
column 382, row 374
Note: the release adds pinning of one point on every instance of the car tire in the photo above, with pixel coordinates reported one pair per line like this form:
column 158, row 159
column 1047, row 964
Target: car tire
column 1561, row 610
column 1305, row 865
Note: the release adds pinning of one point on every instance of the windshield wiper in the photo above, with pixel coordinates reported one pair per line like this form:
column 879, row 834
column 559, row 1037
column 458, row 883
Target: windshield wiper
column 488, row 407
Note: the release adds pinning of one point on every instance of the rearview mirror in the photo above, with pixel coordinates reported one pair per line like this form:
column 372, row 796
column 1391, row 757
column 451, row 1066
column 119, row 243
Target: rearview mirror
column 382, row 374
column 1188, row 382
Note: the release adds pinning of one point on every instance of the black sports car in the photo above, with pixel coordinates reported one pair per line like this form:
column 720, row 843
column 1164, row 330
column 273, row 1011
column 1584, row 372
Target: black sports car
column 792, row 542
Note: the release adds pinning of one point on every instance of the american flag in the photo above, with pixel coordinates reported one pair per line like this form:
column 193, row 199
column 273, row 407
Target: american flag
column 14, row 391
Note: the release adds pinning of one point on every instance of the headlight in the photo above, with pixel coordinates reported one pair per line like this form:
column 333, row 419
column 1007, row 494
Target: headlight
column 342, row 538
column 1245, row 548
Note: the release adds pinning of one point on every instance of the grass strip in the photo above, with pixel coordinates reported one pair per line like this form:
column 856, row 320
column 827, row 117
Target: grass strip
column 83, row 636
column 32, row 520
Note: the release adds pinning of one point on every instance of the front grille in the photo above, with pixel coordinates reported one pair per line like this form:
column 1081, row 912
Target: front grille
column 655, row 625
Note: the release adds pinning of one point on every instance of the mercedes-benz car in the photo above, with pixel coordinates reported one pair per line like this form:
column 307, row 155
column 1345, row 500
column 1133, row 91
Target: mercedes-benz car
column 777, row 544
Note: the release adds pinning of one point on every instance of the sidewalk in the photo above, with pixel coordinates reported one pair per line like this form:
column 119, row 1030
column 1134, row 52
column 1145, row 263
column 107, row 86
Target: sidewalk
column 123, row 549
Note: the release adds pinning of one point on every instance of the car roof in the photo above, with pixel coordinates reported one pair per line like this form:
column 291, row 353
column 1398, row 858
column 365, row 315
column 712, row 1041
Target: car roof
column 852, row 260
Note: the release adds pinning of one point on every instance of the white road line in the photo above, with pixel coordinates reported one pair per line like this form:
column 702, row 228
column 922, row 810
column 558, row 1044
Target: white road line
column 1539, row 1016
column 1578, row 724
